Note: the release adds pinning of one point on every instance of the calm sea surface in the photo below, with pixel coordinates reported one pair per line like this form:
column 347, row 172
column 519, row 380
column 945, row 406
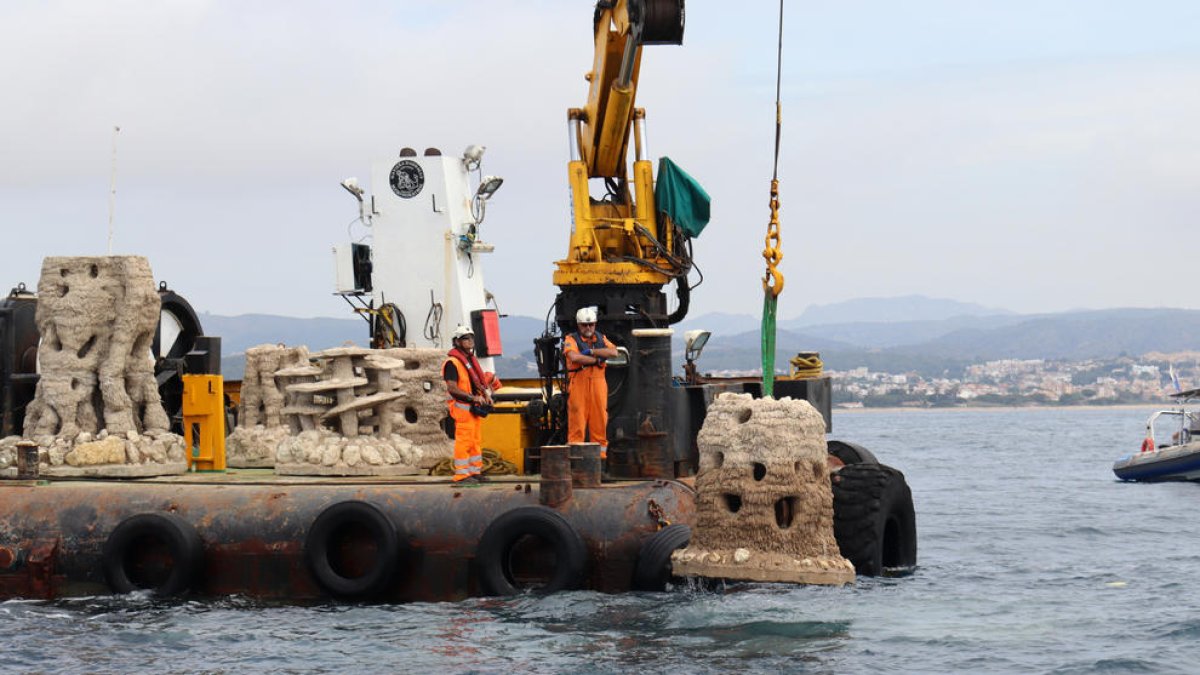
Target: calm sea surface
column 1033, row 559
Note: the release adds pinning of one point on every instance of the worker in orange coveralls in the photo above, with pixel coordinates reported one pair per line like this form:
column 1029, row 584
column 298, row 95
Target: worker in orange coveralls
column 469, row 391
column 585, row 352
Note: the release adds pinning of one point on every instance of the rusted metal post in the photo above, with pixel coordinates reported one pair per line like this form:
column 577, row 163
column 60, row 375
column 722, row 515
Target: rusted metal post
column 555, row 488
column 655, row 457
column 585, row 465
column 27, row 460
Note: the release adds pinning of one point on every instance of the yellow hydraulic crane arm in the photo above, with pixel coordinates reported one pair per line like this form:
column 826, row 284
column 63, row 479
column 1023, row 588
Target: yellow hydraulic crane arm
column 613, row 84
column 616, row 239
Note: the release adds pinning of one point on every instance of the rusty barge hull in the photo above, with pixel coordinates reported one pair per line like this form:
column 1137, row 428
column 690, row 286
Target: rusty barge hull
column 254, row 529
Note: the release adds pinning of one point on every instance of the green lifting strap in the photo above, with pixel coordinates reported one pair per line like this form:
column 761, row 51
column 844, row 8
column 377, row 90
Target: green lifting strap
column 681, row 197
column 770, row 303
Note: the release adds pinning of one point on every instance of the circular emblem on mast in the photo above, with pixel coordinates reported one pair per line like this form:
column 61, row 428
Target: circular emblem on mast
column 407, row 179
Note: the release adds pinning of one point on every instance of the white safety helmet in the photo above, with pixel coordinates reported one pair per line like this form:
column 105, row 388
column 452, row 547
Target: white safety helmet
column 463, row 331
column 586, row 315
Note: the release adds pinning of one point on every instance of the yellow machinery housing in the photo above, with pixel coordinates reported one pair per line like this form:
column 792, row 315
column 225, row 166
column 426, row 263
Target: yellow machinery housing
column 204, row 422
column 508, row 432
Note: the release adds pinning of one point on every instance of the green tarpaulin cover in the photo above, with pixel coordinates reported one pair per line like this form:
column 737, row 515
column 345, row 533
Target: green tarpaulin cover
column 681, row 197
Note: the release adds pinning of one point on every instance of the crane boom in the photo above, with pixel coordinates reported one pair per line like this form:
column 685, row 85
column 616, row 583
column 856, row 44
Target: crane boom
column 621, row 28
column 617, row 239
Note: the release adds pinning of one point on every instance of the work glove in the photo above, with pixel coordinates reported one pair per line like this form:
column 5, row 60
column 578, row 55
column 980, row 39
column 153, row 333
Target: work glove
column 586, row 351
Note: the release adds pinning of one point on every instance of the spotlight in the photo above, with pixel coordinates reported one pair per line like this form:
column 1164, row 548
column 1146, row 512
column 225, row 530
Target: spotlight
column 695, row 341
column 488, row 187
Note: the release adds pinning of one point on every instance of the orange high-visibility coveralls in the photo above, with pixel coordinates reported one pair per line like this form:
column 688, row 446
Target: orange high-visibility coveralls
column 587, row 401
column 468, row 428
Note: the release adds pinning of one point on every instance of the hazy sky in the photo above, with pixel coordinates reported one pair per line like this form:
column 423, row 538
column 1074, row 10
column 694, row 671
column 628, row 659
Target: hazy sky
column 1035, row 155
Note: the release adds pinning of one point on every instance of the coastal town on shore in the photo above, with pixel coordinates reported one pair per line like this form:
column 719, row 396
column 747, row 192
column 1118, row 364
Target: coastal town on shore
column 1150, row 378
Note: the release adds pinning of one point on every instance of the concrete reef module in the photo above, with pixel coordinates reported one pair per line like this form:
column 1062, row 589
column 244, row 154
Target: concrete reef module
column 96, row 410
column 764, row 506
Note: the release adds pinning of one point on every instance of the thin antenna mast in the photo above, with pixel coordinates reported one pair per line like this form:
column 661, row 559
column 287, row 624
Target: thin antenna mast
column 112, row 189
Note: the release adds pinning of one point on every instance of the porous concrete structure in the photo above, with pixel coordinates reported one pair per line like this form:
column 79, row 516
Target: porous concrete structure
column 96, row 410
column 300, row 409
column 262, row 397
column 352, row 393
column 261, row 425
column 764, row 506
column 421, row 413
column 356, row 413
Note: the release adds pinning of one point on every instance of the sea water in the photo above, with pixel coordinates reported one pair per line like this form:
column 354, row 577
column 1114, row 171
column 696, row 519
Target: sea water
column 1032, row 559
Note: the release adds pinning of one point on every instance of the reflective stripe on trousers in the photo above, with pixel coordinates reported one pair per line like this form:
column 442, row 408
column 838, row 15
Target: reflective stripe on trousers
column 462, row 467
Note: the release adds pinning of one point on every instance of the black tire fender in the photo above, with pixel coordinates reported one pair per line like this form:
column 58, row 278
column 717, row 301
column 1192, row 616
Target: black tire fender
column 493, row 555
column 850, row 453
column 323, row 536
column 137, row 534
column 873, row 519
column 653, row 569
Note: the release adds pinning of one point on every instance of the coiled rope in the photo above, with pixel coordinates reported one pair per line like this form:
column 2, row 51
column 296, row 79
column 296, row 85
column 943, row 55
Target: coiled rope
column 806, row 365
column 493, row 465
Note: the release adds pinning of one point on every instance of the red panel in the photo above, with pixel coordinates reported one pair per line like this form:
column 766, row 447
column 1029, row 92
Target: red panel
column 491, row 332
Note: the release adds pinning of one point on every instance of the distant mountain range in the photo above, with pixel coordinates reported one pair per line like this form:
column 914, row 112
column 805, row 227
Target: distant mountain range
column 913, row 333
column 904, row 308
column 872, row 322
